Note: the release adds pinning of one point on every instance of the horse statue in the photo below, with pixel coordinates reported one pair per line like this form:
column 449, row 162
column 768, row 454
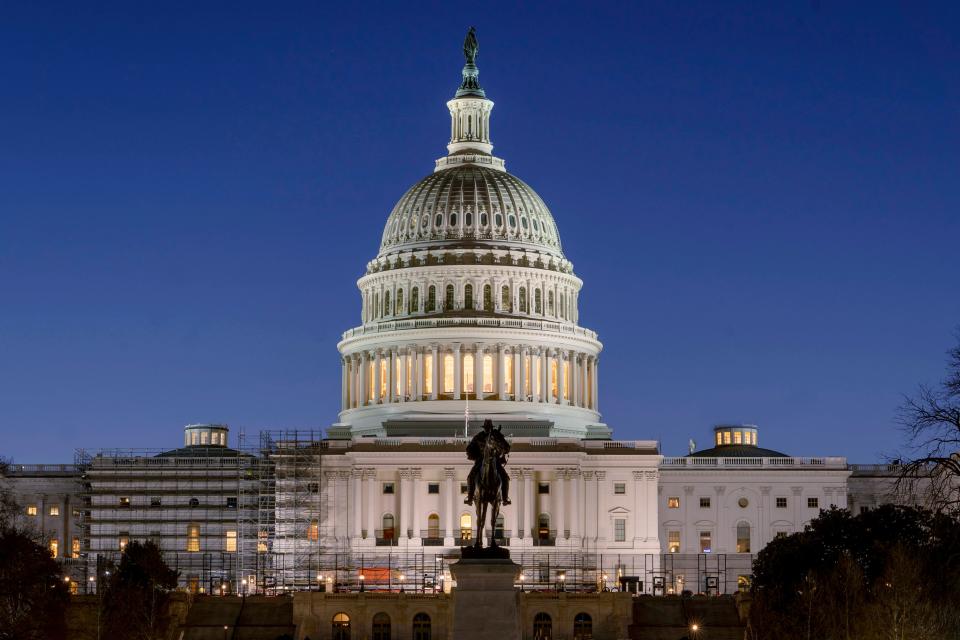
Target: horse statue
column 488, row 482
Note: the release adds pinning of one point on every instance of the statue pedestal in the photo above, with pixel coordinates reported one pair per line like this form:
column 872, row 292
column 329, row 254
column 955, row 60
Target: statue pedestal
column 485, row 602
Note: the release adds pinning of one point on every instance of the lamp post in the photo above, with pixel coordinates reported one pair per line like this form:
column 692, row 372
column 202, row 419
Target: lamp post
column 563, row 579
column 243, row 588
column 225, row 627
column 522, row 580
column 605, row 578
column 402, row 580
column 362, row 578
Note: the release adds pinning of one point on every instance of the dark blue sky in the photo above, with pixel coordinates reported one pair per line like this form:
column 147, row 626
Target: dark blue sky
column 762, row 199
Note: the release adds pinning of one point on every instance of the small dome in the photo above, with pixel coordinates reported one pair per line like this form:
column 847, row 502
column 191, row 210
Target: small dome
column 736, row 441
column 470, row 205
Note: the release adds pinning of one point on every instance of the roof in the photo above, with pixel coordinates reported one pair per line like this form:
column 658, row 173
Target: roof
column 201, row 451
column 737, row 451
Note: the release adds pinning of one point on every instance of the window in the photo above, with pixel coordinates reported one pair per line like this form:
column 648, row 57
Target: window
column 341, row 627
column 543, row 526
column 312, row 487
column 542, row 626
column 448, row 373
column 432, row 298
column 488, row 374
column 487, row 298
column 743, row 538
column 193, row 538
column 389, row 532
column 75, row 548
column 230, row 541
column 619, row 530
column 673, row 503
column 537, row 301
column 433, row 526
column 706, row 545
column 466, row 527
column 704, row 503
column 505, row 304
column 813, row 503
column 433, row 487
column 388, row 488
column 483, row 219
column 231, row 503
column 726, row 437
column 498, row 220
column 54, row 511
column 468, row 219
column 381, row 626
column 781, row 503
column 543, row 488
column 421, row 627
column 523, row 299
column 673, row 541
column 508, row 374
column 582, row 623
column 468, row 371
column 448, row 301
column 468, row 296
column 123, row 540
column 32, row 510
column 55, row 548
column 619, row 488
column 864, row 509
column 737, row 437
column 415, row 300
column 428, row 373
column 124, row 501
column 780, row 534
column 154, row 501
column 399, row 306
column 262, row 541
column 464, row 488
column 313, row 530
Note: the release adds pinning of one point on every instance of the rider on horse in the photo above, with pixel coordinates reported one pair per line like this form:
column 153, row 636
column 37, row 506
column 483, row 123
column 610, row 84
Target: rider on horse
column 475, row 453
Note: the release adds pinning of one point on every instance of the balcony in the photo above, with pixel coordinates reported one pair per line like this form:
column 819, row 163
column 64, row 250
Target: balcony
column 432, row 537
column 386, row 537
column 545, row 538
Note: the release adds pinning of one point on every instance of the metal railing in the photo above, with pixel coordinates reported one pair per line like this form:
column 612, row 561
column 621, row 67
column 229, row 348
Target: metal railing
column 693, row 462
column 497, row 323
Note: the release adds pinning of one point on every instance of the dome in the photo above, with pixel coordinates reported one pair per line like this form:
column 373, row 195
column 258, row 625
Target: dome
column 470, row 205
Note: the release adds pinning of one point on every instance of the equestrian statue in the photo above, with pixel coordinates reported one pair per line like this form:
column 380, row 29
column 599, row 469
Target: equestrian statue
column 488, row 483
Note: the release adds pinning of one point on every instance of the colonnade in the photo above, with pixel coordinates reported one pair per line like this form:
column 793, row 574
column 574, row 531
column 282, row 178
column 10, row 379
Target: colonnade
column 476, row 371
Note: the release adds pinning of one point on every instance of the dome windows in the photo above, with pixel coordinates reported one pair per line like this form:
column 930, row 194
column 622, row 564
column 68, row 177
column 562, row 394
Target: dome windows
column 453, row 219
column 438, row 221
column 524, row 223
column 483, row 219
column 535, row 225
column 468, row 219
column 498, row 220
column 513, row 221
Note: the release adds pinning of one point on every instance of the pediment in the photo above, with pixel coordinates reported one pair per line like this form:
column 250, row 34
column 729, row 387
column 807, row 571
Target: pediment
column 619, row 510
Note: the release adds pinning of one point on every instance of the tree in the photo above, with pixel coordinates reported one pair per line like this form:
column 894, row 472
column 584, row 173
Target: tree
column 33, row 595
column 137, row 594
column 931, row 420
column 9, row 507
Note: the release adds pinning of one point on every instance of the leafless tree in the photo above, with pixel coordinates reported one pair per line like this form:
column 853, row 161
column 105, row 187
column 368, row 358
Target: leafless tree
column 931, row 421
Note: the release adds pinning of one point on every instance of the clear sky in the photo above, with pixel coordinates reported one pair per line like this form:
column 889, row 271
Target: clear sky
column 761, row 198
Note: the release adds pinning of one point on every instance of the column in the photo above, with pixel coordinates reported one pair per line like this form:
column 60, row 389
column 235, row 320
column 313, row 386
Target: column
column 544, row 375
column 519, row 501
column 377, row 383
column 584, row 389
column 561, row 505
column 528, row 510
column 478, row 370
column 653, row 507
column 574, row 379
column 415, row 520
column 457, row 366
column 450, row 505
column 344, row 377
column 417, row 373
column 601, row 538
column 534, row 378
column 590, row 508
column 596, row 384
column 370, row 475
column 574, row 479
column 434, row 369
column 403, row 521
column 364, row 370
column 404, row 378
column 639, row 508
column 391, row 394
column 517, row 374
column 561, row 356
column 356, row 503
column 501, row 378
column 330, row 487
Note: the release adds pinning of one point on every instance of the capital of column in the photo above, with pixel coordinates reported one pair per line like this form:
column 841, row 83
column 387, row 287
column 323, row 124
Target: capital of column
column 588, row 475
column 765, row 490
column 369, row 474
column 449, row 472
column 652, row 475
column 343, row 475
column 719, row 489
column 796, row 490
column 637, row 476
column 601, row 475
column 404, row 473
column 688, row 490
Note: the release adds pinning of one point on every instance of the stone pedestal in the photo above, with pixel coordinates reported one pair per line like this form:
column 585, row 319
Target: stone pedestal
column 485, row 602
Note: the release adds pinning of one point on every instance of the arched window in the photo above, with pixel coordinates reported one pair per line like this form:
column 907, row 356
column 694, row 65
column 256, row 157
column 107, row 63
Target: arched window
column 399, row 309
column 543, row 526
column 376, row 305
column 466, row 527
column 487, row 298
column 483, row 219
column 421, row 627
column 453, row 219
column 542, row 626
column 381, row 626
column 743, row 537
column 523, row 299
column 582, row 626
column 468, row 296
column 468, row 219
column 433, row 526
column 505, row 302
column 467, row 375
column 513, row 221
column 498, row 220
column 414, row 300
column 386, row 303
column 550, row 303
column 488, row 373
column 537, row 301
column 447, row 374
column 341, row 627
column 448, row 299
column 389, row 532
column 432, row 298
column 438, row 221
column 563, row 306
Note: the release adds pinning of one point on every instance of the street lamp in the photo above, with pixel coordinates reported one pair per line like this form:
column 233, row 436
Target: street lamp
column 563, row 579
column 362, row 578
column 522, row 580
column 402, row 580
column 225, row 627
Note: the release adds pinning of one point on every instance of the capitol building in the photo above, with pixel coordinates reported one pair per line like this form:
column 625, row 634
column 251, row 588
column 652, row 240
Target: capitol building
column 468, row 311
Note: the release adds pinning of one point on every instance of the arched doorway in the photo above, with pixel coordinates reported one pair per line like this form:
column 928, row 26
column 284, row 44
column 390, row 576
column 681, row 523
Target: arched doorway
column 381, row 626
column 582, row 626
column 341, row 627
column 542, row 626
column 422, row 627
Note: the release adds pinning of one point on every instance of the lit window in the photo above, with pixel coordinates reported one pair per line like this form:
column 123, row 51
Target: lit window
column 193, row 538
column 313, row 530
column 124, row 501
column 726, row 437
column 54, row 511
column 447, row 374
column 543, row 488
column 566, row 378
column 123, row 540
column 813, row 503
column 466, row 527
column 553, row 377
column 261, row 541
column 619, row 488
column 428, row 373
column 488, row 374
column 737, row 437
column 508, row 373
column 194, row 438
column 383, row 377
column 32, row 510
column 537, row 376
column 781, row 503
column 673, row 503
column 706, row 545
column 203, row 437
column 719, row 438
column 55, row 548
column 74, row 587
column 433, row 487
column 468, row 373
column 619, row 530
column 230, row 542
column 388, row 488
column 704, row 503
column 673, row 541
column 780, row 534
column 75, row 548
column 743, row 538
column 527, row 390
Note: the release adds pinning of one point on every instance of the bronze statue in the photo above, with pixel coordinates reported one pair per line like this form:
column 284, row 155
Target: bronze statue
column 488, row 482
column 470, row 46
